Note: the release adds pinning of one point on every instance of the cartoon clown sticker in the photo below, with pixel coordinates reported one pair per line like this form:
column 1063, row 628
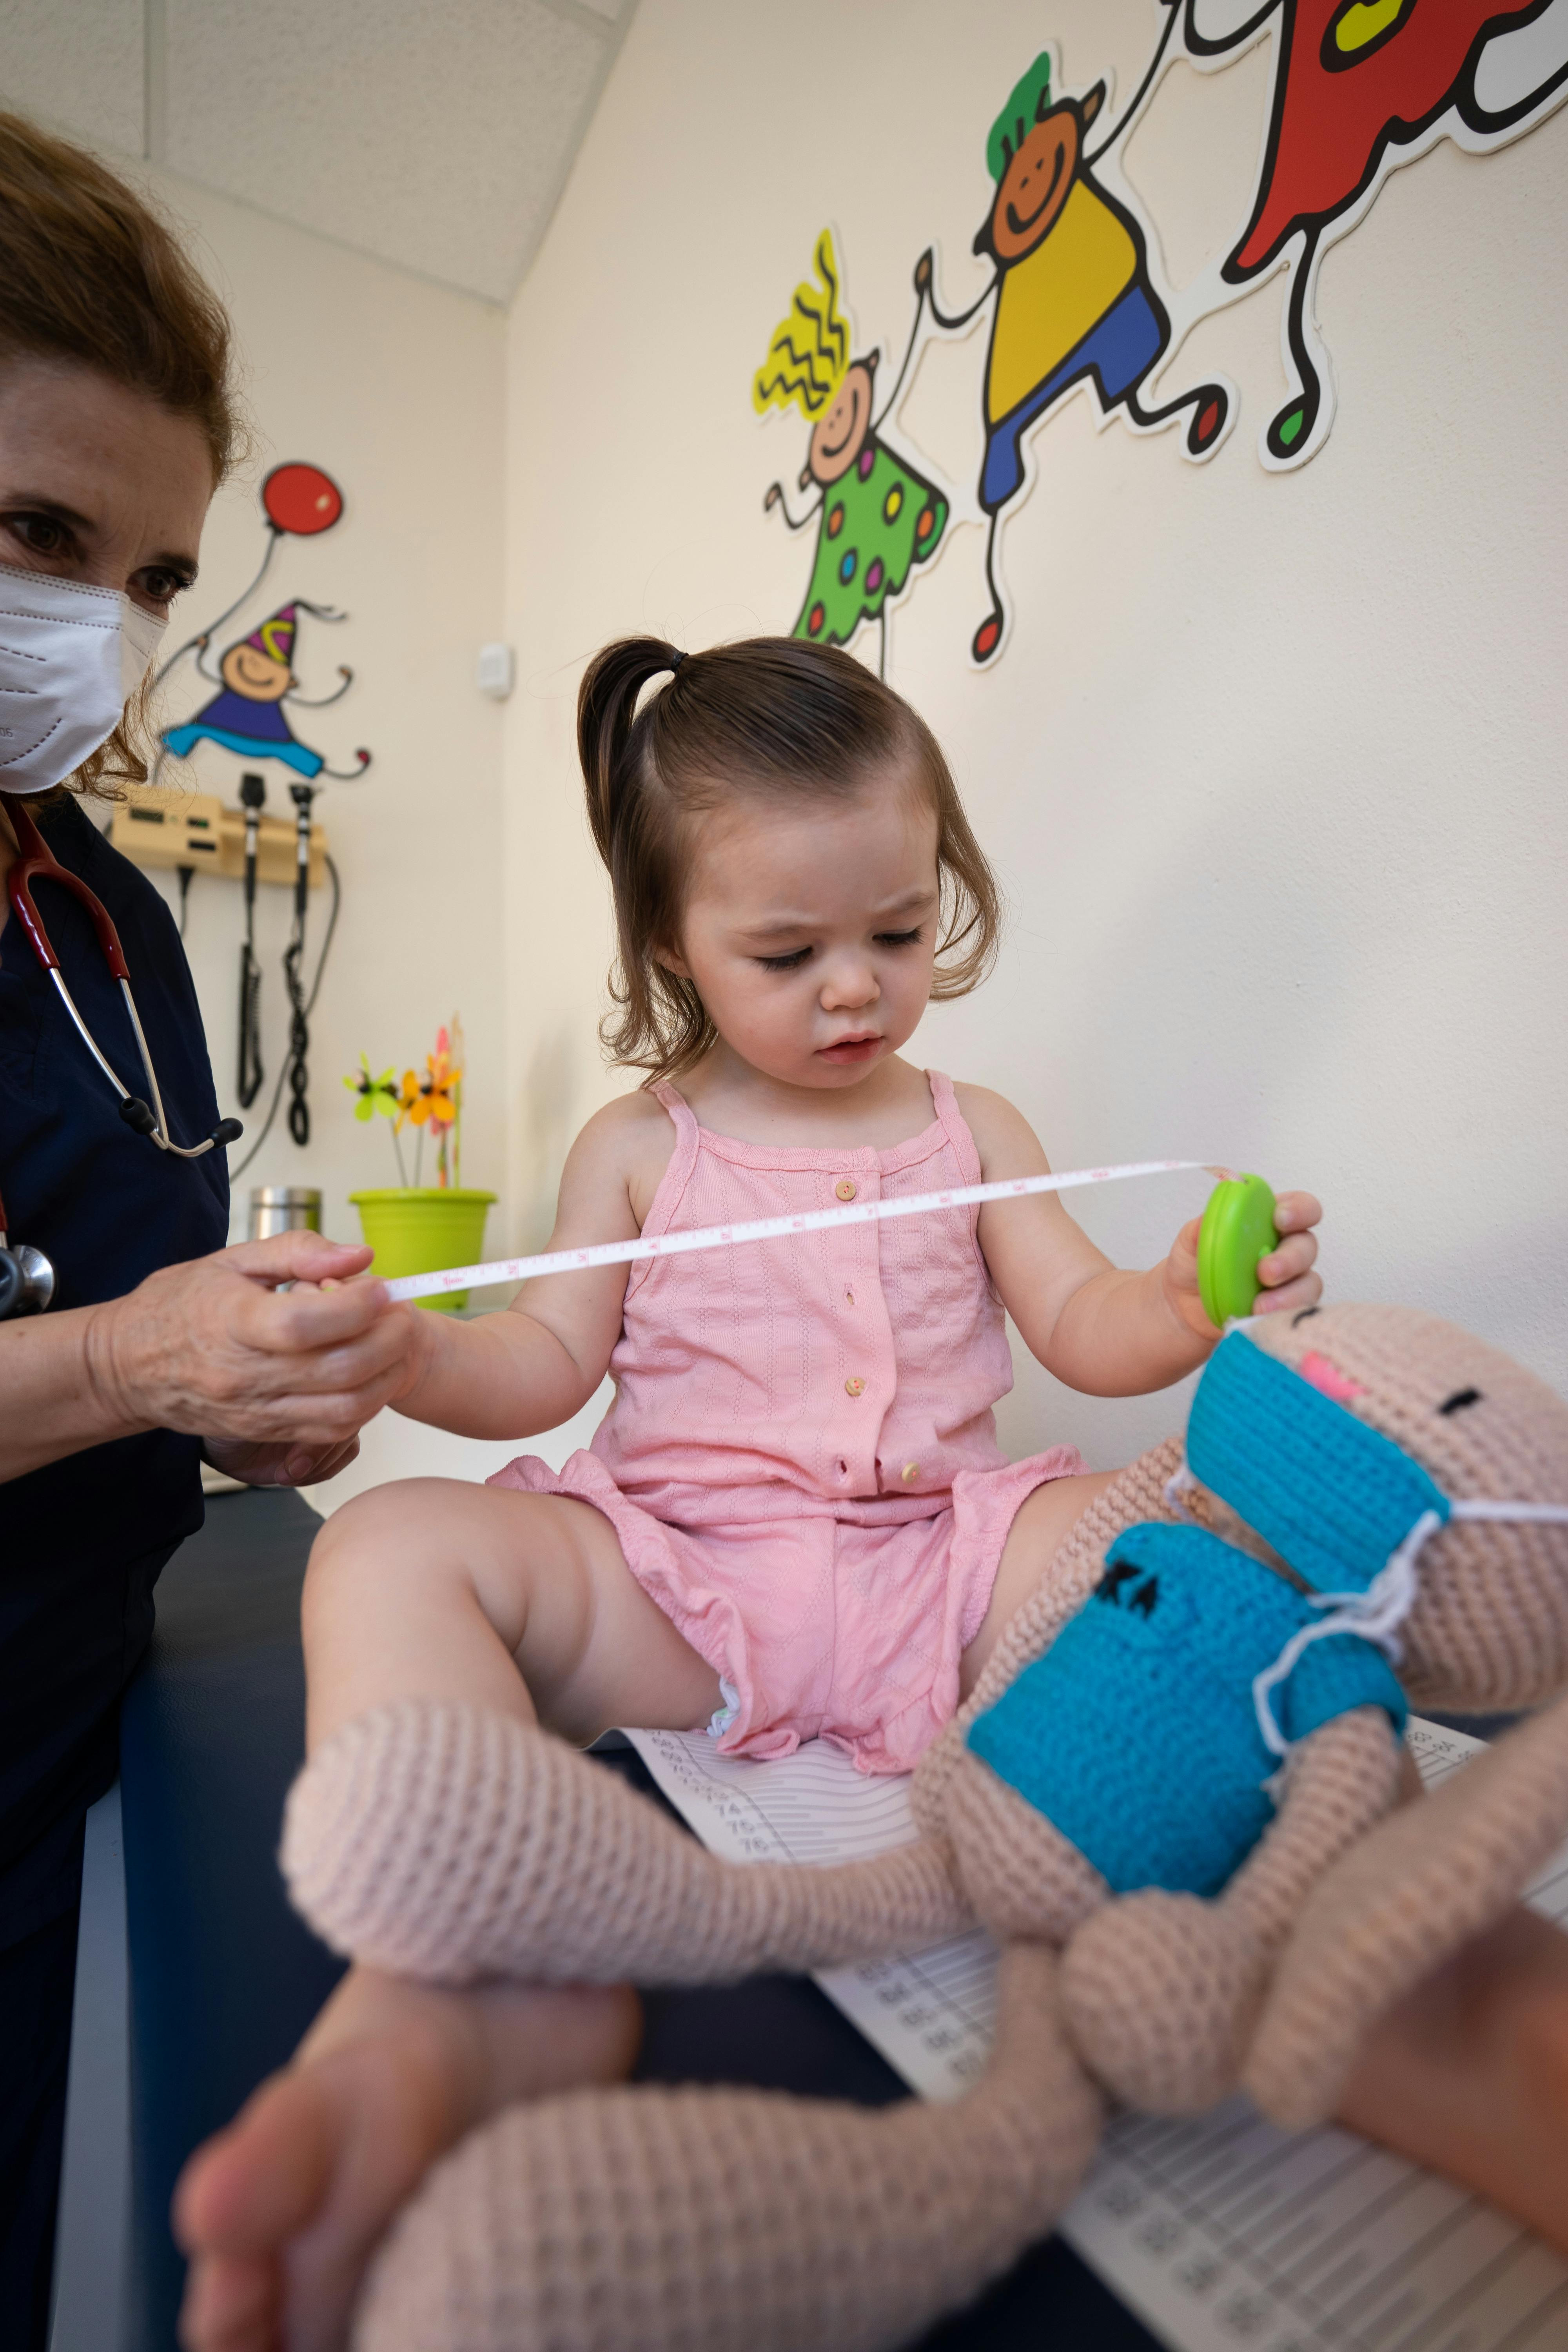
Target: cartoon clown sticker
column 877, row 518
column 258, row 678
column 256, row 674
column 1074, row 301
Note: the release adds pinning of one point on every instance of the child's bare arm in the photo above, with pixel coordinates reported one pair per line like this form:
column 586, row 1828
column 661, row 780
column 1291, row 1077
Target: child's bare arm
column 1102, row 1330
column 534, row 1366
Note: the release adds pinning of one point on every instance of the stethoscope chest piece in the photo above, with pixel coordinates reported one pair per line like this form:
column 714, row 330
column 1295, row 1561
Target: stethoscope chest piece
column 26, row 1281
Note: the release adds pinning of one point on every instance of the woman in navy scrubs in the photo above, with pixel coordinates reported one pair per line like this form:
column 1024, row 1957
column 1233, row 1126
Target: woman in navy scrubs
column 115, row 428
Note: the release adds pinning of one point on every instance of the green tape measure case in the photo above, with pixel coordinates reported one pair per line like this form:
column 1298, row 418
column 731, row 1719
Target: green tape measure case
column 1238, row 1229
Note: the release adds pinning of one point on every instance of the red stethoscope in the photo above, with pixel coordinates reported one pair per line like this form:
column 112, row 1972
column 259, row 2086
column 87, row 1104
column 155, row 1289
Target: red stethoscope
column 26, row 1277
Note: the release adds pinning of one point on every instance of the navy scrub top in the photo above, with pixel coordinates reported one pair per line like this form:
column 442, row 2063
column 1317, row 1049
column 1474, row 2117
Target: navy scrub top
column 82, row 1540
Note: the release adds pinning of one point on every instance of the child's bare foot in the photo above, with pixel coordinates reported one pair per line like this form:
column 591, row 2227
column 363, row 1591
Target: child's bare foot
column 1469, row 2073
column 280, row 2214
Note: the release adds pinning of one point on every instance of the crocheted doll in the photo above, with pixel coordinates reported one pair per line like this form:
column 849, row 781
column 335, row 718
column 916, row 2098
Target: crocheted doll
column 1172, row 1798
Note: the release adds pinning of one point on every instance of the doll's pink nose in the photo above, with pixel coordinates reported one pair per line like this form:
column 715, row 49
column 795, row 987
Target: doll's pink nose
column 1329, row 1378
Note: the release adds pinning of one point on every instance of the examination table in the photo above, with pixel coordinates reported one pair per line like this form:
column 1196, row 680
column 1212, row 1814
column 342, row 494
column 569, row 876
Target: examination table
column 223, row 1978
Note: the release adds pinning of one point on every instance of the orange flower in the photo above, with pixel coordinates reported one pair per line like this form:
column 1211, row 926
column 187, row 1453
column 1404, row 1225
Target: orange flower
column 429, row 1098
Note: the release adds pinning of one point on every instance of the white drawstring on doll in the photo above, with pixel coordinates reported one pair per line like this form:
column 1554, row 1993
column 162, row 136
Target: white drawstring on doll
column 1479, row 1507
column 1374, row 1614
column 1178, row 1487
column 1377, row 1613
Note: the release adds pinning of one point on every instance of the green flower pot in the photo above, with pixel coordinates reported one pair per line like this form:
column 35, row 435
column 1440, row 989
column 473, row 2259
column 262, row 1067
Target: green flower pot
column 421, row 1229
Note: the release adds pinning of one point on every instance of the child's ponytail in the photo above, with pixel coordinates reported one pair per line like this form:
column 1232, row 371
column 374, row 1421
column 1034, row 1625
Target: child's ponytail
column 771, row 717
column 607, row 709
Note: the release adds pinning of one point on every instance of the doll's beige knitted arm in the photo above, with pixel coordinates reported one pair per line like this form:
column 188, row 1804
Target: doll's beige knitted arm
column 696, row 2221
column 1339, row 1783
column 1161, row 1991
column 446, row 1842
column 1397, row 1905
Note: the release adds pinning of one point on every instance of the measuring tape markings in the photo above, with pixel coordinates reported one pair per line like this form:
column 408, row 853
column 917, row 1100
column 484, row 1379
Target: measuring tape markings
column 767, row 1229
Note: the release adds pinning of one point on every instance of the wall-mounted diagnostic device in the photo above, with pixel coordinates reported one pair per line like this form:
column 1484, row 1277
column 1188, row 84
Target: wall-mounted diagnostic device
column 157, row 827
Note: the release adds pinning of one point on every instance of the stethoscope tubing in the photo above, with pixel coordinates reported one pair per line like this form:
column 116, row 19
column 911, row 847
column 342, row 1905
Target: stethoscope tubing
column 159, row 1133
column 36, row 861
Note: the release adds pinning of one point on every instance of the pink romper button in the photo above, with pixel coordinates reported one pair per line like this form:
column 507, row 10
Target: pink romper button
column 855, row 1386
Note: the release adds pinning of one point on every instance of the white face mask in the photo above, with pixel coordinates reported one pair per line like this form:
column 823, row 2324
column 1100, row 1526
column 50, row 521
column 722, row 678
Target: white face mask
column 70, row 659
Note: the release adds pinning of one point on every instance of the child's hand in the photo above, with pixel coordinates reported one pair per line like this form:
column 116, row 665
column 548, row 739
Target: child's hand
column 1286, row 1275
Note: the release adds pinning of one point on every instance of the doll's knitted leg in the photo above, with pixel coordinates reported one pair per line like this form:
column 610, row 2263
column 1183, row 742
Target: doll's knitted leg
column 1161, row 1992
column 1137, row 1493
column 446, row 1842
column 1437, row 1873
column 655, row 2220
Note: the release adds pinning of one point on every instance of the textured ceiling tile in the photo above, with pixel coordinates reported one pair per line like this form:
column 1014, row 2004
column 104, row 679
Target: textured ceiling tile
column 78, row 62
column 434, row 136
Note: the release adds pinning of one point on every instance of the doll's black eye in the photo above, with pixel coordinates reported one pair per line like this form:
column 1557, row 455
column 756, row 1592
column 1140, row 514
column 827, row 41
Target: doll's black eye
column 1306, row 1311
column 1459, row 1400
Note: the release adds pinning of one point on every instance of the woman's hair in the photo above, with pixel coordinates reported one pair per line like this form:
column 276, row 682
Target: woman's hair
column 90, row 274
column 771, row 716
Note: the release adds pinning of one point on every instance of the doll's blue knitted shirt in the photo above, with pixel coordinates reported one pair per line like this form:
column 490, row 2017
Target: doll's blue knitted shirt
column 1136, row 1734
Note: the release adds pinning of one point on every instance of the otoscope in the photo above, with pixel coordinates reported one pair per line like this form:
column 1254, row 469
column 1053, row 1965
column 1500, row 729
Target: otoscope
column 247, row 1085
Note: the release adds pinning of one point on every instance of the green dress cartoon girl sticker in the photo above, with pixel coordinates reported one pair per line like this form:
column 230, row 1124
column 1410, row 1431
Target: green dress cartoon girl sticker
column 878, row 517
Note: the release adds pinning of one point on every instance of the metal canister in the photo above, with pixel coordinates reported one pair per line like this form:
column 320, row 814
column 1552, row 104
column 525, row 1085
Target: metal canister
column 284, row 1209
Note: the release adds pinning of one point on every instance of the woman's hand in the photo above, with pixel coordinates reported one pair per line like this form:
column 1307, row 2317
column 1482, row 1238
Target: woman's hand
column 216, row 1347
column 1286, row 1276
column 282, row 1464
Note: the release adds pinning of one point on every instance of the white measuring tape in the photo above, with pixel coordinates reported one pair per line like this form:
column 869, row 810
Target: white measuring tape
column 769, row 1229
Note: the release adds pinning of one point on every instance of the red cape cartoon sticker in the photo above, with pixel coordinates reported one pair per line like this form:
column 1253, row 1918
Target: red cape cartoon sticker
column 1360, row 87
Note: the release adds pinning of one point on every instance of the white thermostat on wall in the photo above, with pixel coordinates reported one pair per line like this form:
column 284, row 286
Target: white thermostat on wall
column 498, row 671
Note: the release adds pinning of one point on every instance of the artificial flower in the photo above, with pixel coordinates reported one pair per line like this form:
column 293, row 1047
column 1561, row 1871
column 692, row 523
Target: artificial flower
column 376, row 1094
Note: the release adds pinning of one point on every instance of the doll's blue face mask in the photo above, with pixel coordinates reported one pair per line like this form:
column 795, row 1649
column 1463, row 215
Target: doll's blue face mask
column 1342, row 1503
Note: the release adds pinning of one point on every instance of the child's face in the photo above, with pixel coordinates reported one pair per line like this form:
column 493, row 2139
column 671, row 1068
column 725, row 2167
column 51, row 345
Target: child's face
column 810, row 930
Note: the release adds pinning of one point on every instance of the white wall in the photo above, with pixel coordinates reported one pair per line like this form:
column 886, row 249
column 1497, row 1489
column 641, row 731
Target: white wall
column 395, row 386
column 1273, row 766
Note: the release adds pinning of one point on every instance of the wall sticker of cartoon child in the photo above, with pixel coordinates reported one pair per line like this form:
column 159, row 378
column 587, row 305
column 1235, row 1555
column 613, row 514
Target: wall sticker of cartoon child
column 879, row 517
column 1074, row 300
column 1360, row 87
column 256, row 679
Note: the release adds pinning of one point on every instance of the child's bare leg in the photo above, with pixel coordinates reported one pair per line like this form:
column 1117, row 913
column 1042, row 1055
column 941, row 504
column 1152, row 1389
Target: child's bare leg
column 440, row 1589
column 1045, row 1521
column 521, row 1603
column 1469, row 2072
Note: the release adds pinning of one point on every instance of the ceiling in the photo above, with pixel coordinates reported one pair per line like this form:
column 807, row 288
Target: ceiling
column 434, row 133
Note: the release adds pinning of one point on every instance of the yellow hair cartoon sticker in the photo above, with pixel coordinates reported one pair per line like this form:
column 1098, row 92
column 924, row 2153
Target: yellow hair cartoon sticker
column 808, row 356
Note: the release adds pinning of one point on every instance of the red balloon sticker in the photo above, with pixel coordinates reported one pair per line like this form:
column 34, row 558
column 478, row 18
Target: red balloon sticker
column 301, row 498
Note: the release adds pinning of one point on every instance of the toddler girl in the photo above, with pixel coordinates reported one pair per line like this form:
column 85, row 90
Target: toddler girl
column 796, row 1520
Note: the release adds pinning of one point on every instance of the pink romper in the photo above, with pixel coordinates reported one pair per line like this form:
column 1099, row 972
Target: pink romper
column 801, row 1460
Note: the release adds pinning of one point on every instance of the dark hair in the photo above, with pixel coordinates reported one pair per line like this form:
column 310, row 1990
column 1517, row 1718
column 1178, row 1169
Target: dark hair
column 90, row 273
column 771, row 714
